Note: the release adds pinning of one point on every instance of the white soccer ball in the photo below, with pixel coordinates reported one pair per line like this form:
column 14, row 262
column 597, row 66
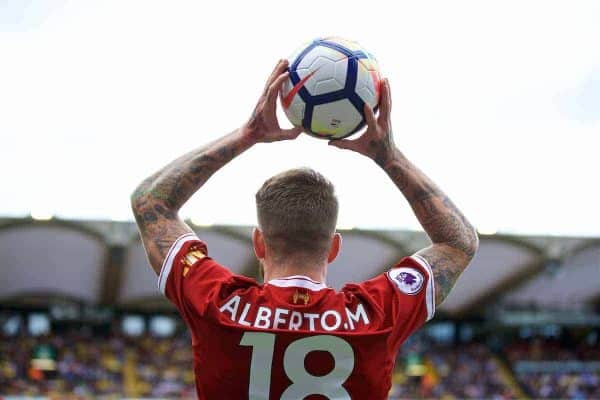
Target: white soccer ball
column 330, row 81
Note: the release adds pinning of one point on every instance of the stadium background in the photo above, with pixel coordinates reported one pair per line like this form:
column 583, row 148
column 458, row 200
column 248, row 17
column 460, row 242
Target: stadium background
column 80, row 314
column 496, row 101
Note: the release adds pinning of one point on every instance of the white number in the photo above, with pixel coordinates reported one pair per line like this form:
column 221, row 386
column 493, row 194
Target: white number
column 329, row 385
column 303, row 383
column 263, row 345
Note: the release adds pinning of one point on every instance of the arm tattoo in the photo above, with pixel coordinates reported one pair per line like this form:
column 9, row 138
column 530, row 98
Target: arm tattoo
column 157, row 200
column 454, row 238
column 447, row 265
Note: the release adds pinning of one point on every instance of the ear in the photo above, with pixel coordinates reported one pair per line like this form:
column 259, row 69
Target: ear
column 334, row 250
column 258, row 242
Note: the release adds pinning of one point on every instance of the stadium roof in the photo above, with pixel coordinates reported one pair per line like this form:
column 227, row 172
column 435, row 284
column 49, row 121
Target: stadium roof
column 102, row 262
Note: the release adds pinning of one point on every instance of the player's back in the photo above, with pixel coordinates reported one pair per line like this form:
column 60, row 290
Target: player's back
column 293, row 341
column 293, row 338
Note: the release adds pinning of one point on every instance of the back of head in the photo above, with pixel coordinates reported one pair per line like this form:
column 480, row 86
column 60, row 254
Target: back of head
column 297, row 213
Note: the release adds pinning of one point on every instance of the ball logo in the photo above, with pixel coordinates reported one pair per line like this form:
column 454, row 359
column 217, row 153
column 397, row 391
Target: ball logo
column 408, row 280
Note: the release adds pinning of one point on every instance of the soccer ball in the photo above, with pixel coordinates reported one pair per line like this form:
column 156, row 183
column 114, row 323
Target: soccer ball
column 330, row 81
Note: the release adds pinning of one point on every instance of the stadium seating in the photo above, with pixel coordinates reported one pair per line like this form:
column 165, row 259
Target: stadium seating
column 89, row 364
column 550, row 368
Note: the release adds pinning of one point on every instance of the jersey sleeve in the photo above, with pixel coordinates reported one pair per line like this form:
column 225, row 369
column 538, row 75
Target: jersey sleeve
column 189, row 278
column 406, row 293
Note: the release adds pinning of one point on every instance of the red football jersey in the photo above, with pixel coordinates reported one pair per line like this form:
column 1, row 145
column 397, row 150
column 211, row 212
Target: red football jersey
column 293, row 338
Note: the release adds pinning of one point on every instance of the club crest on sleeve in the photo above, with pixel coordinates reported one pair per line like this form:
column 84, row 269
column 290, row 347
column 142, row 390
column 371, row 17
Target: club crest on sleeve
column 408, row 280
column 192, row 256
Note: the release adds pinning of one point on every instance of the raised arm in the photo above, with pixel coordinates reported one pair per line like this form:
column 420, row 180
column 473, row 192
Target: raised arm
column 158, row 199
column 454, row 240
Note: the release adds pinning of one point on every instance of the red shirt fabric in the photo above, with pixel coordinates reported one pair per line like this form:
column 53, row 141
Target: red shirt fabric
column 293, row 338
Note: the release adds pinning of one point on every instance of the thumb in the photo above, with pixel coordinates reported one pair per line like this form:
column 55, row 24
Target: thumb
column 292, row 133
column 343, row 144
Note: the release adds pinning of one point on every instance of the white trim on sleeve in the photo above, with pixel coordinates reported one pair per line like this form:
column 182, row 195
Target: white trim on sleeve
column 168, row 263
column 430, row 290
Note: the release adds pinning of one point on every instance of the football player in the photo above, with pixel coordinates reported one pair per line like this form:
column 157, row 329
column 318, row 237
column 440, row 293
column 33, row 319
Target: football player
column 293, row 337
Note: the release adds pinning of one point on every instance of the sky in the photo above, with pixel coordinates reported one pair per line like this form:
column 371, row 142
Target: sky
column 498, row 102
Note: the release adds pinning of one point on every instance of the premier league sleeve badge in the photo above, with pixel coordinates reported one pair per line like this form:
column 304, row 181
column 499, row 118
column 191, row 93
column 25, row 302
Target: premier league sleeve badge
column 408, row 280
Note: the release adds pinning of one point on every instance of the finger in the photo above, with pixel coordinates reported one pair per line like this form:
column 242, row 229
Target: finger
column 385, row 101
column 274, row 73
column 292, row 133
column 278, row 70
column 275, row 87
column 389, row 92
column 370, row 117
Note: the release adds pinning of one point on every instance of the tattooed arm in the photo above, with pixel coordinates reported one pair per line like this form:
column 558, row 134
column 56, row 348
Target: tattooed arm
column 157, row 200
column 454, row 240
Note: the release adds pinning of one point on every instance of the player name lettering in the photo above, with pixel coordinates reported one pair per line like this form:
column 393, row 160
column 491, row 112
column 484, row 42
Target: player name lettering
column 263, row 317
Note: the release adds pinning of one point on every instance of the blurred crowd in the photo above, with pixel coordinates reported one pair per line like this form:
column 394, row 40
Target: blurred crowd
column 81, row 364
column 549, row 368
column 465, row 371
column 87, row 365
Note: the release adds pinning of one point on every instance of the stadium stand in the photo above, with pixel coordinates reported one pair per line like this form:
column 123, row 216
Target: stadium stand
column 81, row 317
column 81, row 363
column 88, row 365
column 464, row 371
column 552, row 367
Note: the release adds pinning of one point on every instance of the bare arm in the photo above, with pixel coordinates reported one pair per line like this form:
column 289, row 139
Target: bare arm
column 454, row 240
column 158, row 199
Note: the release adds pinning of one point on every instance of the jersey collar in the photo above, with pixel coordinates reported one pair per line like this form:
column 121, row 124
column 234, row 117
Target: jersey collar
column 298, row 281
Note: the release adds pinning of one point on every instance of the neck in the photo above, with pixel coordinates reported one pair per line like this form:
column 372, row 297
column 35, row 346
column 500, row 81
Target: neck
column 316, row 273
